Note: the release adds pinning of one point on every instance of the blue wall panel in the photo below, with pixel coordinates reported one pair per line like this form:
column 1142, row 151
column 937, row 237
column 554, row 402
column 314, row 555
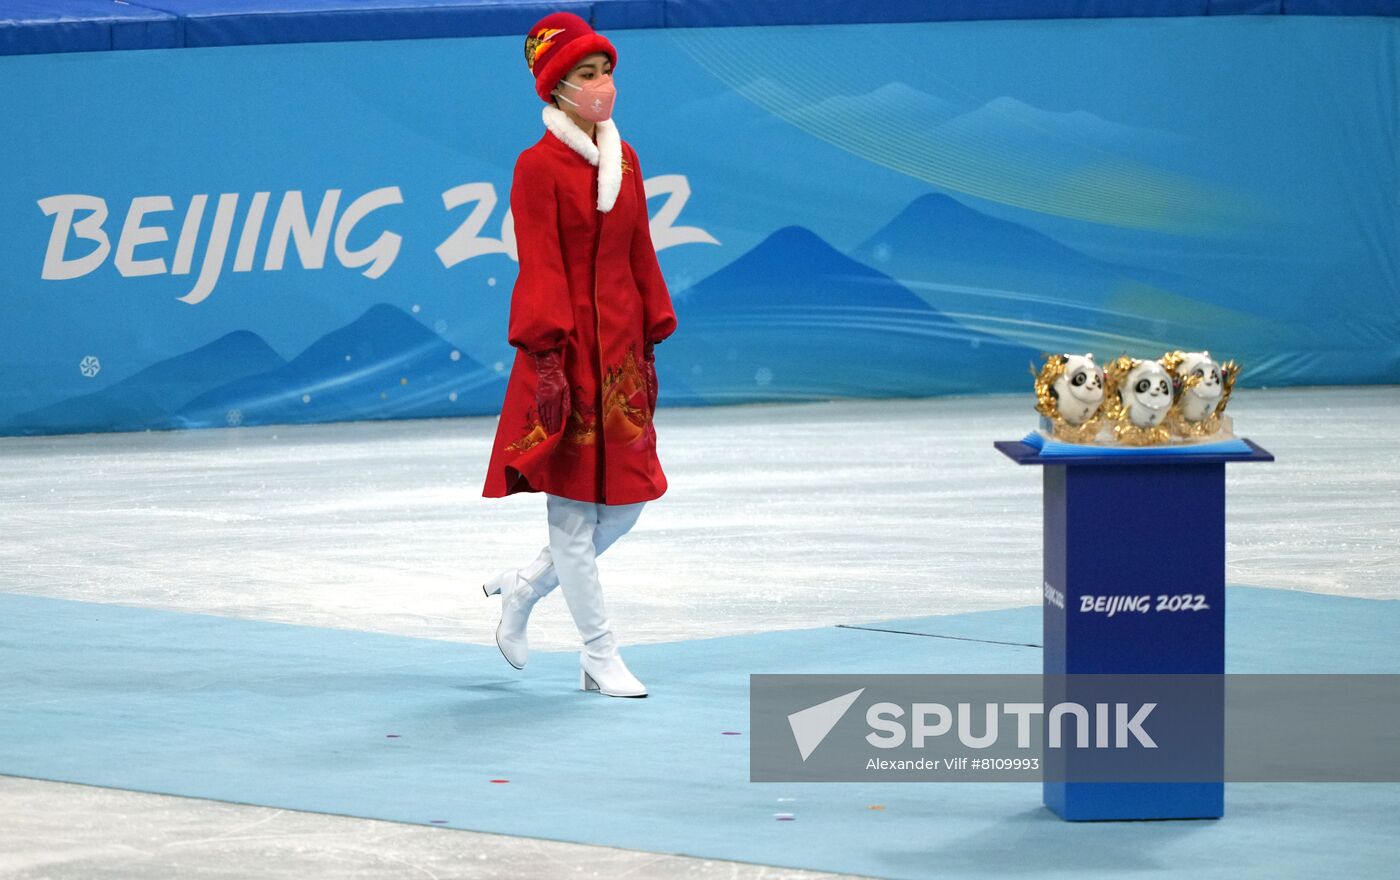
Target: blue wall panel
column 926, row 217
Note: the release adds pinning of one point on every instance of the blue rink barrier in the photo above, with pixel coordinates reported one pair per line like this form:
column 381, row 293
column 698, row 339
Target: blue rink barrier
column 316, row 228
column 35, row 26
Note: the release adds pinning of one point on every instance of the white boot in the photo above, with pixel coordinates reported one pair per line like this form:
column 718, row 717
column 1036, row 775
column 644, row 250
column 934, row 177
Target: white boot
column 539, row 572
column 572, row 525
column 601, row 669
column 614, row 522
column 540, row 576
column 519, row 591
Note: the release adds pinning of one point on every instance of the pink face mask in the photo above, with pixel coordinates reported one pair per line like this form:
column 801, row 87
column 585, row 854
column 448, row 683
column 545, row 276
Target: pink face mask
column 595, row 100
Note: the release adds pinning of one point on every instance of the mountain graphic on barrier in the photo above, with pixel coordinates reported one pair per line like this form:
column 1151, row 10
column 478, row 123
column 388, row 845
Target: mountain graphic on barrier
column 1006, row 278
column 385, row 364
column 938, row 238
column 151, row 397
column 795, row 319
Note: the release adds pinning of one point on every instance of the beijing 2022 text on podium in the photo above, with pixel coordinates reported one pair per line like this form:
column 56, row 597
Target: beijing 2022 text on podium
column 1140, row 533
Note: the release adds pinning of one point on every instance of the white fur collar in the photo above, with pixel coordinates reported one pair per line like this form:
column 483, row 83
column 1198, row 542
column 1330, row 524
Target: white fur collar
column 606, row 153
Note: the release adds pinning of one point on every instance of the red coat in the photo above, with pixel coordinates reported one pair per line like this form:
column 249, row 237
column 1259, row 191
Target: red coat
column 590, row 283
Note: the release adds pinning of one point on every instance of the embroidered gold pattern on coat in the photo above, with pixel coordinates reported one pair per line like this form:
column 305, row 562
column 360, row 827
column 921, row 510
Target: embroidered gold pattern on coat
column 626, row 412
column 534, row 433
column 583, row 425
column 625, row 405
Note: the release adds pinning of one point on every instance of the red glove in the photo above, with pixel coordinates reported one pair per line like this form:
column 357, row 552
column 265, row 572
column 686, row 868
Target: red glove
column 551, row 389
column 649, row 365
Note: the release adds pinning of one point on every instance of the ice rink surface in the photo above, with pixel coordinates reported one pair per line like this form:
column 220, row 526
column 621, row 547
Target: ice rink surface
column 778, row 516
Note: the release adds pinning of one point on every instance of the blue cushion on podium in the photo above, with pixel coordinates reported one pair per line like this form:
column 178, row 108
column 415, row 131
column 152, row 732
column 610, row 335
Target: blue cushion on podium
column 1059, row 448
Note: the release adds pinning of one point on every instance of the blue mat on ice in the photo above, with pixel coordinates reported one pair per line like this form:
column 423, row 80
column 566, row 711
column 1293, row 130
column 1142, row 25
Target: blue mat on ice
column 416, row 730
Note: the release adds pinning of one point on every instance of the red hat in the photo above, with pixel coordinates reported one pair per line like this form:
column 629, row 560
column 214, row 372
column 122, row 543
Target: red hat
column 556, row 43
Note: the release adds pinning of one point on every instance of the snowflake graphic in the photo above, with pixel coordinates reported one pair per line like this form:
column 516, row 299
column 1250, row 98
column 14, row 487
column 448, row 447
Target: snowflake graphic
column 90, row 366
column 680, row 286
column 234, row 417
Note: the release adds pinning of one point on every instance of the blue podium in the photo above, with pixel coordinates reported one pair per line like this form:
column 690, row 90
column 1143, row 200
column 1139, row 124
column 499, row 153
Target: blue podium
column 1134, row 583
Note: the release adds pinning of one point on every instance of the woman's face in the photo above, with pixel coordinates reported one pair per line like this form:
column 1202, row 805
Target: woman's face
column 590, row 68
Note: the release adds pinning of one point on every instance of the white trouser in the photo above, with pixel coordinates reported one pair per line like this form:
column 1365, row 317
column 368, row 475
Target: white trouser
column 578, row 532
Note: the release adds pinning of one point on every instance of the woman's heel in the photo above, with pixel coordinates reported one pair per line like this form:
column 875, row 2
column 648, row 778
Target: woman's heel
column 608, row 675
column 499, row 583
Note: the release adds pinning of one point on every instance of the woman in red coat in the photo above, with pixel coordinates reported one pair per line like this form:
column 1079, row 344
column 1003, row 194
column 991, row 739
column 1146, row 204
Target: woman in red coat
column 588, row 306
